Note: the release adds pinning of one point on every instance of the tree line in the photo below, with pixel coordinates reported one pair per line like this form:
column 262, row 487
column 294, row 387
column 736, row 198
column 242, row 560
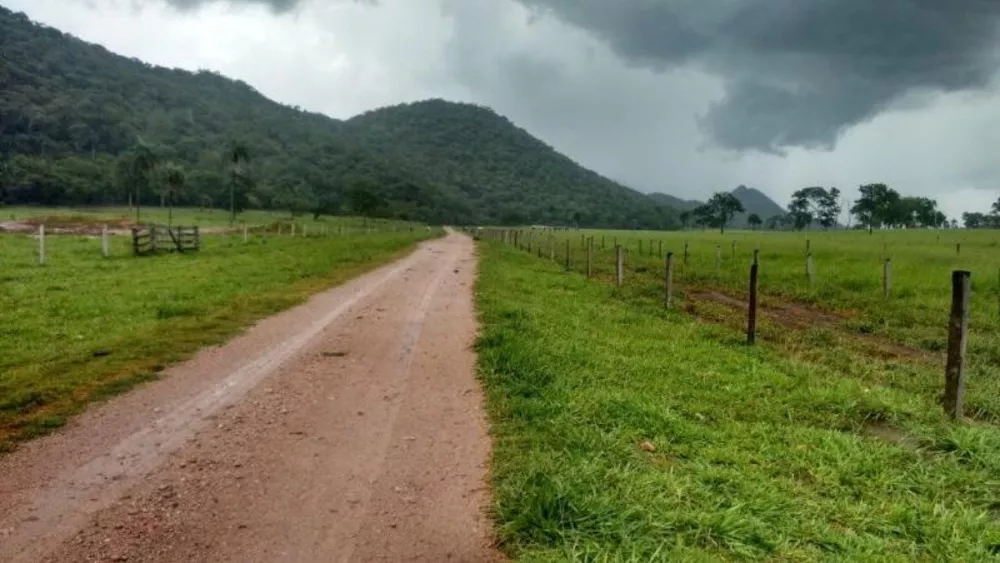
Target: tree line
column 991, row 220
column 878, row 206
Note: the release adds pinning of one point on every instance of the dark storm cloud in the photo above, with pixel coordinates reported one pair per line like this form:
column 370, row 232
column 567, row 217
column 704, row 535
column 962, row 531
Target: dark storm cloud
column 797, row 72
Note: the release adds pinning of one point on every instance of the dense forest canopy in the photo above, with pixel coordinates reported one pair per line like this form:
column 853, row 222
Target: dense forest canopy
column 70, row 112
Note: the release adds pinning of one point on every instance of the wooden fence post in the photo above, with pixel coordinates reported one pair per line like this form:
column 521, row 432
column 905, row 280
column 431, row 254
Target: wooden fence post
column 590, row 258
column 105, row 249
column 752, row 309
column 660, row 253
column 808, row 246
column 583, row 241
column 958, row 334
column 244, row 233
column 887, row 277
column 958, row 249
column 620, row 265
column 810, row 272
column 718, row 258
column 669, row 280
column 567, row 255
column 734, row 250
column 41, row 245
column 685, row 253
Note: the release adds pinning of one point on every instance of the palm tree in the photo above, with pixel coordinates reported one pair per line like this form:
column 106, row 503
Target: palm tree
column 237, row 155
column 134, row 169
column 174, row 180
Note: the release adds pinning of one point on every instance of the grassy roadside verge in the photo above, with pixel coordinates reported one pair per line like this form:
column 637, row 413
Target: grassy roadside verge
column 626, row 433
column 82, row 328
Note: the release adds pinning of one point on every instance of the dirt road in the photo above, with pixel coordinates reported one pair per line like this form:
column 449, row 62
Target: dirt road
column 348, row 429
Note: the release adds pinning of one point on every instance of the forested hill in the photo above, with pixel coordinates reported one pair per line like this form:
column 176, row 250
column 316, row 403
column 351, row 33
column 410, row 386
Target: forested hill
column 500, row 169
column 72, row 112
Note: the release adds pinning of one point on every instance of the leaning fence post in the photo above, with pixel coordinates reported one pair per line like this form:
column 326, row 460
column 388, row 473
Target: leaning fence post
column 810, row 272
column 105, row 250
column 887, row 277
column 669, row 280
column 620, row 265
column 958, row 249
column 958, row 334
column 752, row 309
column 41, row 245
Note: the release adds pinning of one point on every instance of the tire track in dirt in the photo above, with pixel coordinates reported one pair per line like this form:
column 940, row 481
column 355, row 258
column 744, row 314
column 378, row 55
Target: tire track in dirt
column 364, row 440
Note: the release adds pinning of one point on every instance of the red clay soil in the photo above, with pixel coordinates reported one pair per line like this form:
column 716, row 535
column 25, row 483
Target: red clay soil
column 797, row 316
column 781, row 312
column 348, row 429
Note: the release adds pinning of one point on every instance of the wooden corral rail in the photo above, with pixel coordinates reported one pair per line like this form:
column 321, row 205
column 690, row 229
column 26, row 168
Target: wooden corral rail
column 152, row 239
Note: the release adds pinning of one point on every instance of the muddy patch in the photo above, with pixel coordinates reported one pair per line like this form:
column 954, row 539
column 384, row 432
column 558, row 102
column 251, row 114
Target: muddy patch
column 889, row 434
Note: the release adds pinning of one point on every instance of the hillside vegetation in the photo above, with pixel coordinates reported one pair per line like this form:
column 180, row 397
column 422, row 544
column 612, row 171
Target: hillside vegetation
column 70, row 109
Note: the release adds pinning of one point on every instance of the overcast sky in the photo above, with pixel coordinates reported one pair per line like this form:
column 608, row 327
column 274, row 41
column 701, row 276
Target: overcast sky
column 681, row 96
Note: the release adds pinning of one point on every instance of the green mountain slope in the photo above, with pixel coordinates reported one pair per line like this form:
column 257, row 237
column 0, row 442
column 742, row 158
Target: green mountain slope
column 755, row 201
column 505, row 174
column 675, row 202
column 69, row 109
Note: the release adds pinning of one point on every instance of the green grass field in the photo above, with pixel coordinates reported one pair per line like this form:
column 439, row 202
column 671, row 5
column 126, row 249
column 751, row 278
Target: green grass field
column 82, row 327
column 624, row 432
column 185, row 217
